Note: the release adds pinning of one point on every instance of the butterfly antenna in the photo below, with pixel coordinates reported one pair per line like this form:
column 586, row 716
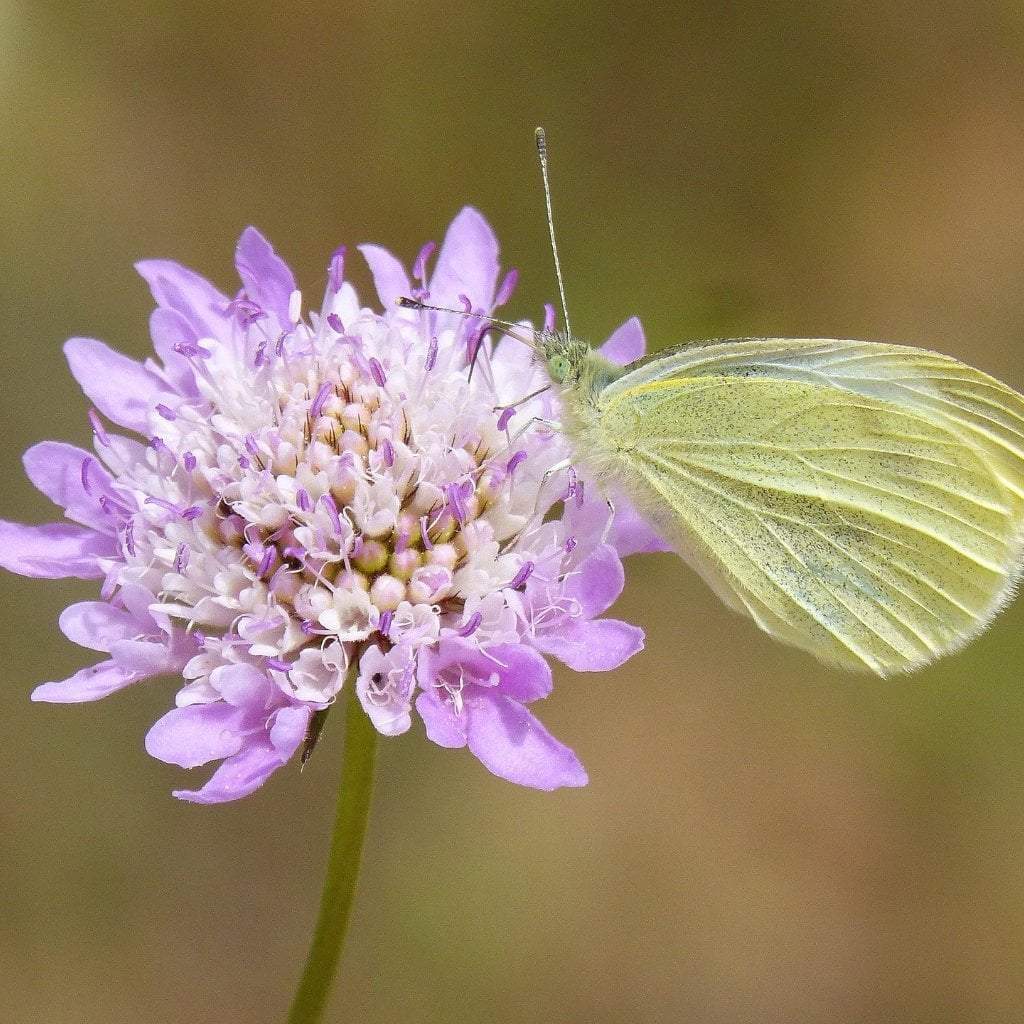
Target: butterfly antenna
column 507, row 326
column 542, row 153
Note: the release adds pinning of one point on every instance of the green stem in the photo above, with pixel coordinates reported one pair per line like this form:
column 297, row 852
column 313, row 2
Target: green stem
column 342, row 866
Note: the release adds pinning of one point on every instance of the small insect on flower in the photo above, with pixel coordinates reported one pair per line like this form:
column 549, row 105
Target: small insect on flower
column 862, row 501
column 278, row 504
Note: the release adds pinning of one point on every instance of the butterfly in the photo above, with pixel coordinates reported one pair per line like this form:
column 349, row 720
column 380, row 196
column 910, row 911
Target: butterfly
column 860, row 501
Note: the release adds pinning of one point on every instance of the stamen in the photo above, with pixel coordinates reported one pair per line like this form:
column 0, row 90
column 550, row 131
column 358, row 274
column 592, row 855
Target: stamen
column 425, row 534
column 85, row 474
column 167, row 506
column 97, row 428
column 335, row 324
column 387, row 450
column 525, row 571
column 278, row 665
column 332, row 512
column 295, row 306
column 129, row 537
column 384, row 626
column 303, row 500
column 166, row 411
column 377, row 372
column 189, row 461
column 507, row 287
column 472, row 626
column 431, row 355
column 549, row 318
column 265, row 562
column 320, row 401
column 505, row 417
column 181, row 557
column 419, row 268
column 336, row 269
column 515, row 462
column 570, row 545
column 192, row 513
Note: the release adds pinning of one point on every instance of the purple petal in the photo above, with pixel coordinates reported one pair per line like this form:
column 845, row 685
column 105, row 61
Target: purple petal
column 147, row 657
column 289, row 729
column 468, row 262
column 97, row 625
column 238, row 776
column 122, row 389
column 268, row 280
column 513, row 745
column 184, row 291
column 593, row 646
column 524, row 674
column 88, row 684
column 442, row 726
column 631, row 534
column 56, row 470
column 389, row 276
column 54, row 552
column 626, row 343
column 597, row 582
column 193, row 735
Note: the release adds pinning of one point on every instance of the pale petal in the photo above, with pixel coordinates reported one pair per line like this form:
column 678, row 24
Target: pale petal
column 193, row 735
column 268, row 280
column 97, row 625
column 626, row 343
column 122, row 389
column 238, row 776
column 91, row 683
column 441, row 724
column 597, row 582
column 389, row 276
column 56, row 469
column 593, row 646
column 184, row 291
column 467, row 264
column 55, row 551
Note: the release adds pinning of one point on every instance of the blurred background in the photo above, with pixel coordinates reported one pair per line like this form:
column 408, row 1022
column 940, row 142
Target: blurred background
column 762, row 839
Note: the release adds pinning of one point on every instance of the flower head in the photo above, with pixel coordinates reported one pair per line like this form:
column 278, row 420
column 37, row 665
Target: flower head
column 331, row 497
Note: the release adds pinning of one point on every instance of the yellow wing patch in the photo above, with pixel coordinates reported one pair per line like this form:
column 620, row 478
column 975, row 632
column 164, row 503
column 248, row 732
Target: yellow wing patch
column 873, row 532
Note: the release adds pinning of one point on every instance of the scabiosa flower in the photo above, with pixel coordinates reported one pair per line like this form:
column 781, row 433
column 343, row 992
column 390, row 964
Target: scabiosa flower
column 348, row 496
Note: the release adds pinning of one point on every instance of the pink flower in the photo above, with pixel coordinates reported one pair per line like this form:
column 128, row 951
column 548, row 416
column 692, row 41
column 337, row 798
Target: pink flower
column 329, row 498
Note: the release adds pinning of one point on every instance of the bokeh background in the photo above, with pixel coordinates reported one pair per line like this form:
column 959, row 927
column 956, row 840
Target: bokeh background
column 763, row 839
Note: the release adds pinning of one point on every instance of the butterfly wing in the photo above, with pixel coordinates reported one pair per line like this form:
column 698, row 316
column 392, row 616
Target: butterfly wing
column 863, row 502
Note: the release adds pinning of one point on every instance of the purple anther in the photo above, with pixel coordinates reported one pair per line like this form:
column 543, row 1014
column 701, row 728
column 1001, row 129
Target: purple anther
column 525, row 571
column 166, row 411
column 515, row 462
column 377, row 372
column 507, row 287
column 549, row 318
column 570, row 545
column 336, row 269
column 472, row 626
column 401, row 541
column 303, row 500
column 279, row 347
column 190, row 462
column 503, row 419
column 199, row 639
column 97, row 428
column 307, row 627
column 181, row 558
column 114, row 508
column 260, row 356
column 331, row 508
column 387, row 451
column 455, row 497
column 251, row 446
column 157, row 444
column 295, row 554
column 425, row 534
column 192, row 513
column 278, row 665
column 419, row 268
column 579, row 493
column 243, row 462
column 384, row 626
column 570, row 491
column 186, row 349
column 431, row 355
column 467, row 306
column 335, row 324
column 129, row 537
column 325, row 392
column 265, row 562
column 86, row 463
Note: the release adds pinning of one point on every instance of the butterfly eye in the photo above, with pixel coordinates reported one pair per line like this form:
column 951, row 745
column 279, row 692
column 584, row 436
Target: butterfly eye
column 558, row 367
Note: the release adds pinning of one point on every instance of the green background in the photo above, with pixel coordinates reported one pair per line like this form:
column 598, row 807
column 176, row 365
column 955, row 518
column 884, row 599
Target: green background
column 763, row 839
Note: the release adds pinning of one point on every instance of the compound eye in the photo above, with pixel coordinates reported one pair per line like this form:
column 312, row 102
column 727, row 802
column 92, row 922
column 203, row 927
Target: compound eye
column 559, row 367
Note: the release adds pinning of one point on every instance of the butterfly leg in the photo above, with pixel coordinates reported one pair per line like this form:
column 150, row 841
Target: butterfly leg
column 611, row 521
column 551, row 471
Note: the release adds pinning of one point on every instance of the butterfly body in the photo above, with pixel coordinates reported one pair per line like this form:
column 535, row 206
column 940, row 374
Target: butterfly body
column 862, row 501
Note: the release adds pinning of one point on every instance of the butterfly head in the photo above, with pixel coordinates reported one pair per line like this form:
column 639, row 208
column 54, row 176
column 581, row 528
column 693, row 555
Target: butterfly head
column 564, row 356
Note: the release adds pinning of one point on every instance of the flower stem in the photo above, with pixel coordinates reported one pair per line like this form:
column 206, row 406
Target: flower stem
column 342, row 867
